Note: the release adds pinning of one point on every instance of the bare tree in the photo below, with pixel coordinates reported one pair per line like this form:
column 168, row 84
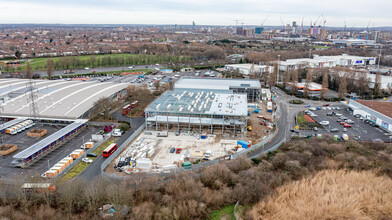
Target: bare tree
column 29, row 71
column 377, row 85
column 157, row 84
column 294, row 81
column 307, row 83
column 363, row 83
column 286, row 78
column 49, row 68
column 342, row 87
column 324, row 89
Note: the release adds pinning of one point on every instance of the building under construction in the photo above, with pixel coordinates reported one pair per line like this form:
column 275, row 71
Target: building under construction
column 199, row 111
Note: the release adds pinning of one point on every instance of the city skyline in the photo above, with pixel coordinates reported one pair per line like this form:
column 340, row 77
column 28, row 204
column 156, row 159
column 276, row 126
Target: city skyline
column 202, row 12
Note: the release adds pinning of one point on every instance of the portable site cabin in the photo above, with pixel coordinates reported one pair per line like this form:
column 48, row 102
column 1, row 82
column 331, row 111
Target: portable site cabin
column 88, row 145
column 77, row 153
column 38, row 187
column 11, row 130
column 51, row 174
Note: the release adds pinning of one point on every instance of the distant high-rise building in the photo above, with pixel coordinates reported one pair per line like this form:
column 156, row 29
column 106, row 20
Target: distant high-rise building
column 193, row 24
column 245, row 31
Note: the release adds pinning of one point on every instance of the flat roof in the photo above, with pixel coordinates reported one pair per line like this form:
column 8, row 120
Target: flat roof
column 38, row 146
column 216, row 83
column 200, row 102
column 246, row 65
column 382, row 107
column 11, row 123
column 55, row 98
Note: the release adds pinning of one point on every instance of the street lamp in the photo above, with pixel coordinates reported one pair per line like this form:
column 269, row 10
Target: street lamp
column 379, row 58
column 277, row 75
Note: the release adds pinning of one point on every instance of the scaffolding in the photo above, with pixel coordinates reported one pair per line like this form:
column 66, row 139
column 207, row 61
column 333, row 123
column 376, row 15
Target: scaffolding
column 200, row 112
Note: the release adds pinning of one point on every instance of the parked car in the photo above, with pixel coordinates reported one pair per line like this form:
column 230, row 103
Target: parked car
column 313, row 109
column 337, row 108
column 315, row 129
column 92, row 155
column 318, row 108
column 324, row 123
column 342, row 123
column 178, row 150
column 344, row 129
column 329, row 113
column 334, row 129
column 347, row 125
column 87, row 160
column 172, row 150
column 326, row 104
column 307, row 106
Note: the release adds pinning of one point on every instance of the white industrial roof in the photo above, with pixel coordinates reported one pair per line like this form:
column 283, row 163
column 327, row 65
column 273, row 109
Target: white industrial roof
column 216, row 83
column 200, row 102
column 56, row 98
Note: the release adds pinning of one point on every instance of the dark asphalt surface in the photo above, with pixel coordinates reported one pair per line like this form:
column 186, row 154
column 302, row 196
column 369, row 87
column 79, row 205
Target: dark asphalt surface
column 94, row 170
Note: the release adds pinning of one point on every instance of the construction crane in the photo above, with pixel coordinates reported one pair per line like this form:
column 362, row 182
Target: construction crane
column 262, row 23
column 284, row 27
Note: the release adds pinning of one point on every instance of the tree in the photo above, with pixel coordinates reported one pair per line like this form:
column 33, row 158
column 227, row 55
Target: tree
column 286, row 78
column 29, row 71
column 294, row 81
column 342, row 87
column 18, row 54
column 157, row 84
column 49, row 68
column 324, row 89
column 307, row 83
column 93, row 60
column 377, row 85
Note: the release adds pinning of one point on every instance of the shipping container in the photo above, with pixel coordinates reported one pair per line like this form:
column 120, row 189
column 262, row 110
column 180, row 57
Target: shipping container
column 243, row 144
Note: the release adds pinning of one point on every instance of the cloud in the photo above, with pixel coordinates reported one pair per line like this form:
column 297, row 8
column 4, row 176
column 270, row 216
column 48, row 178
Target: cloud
column 214, row 12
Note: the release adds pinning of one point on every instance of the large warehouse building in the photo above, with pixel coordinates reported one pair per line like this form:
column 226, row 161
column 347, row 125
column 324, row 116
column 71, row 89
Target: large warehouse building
column 246, row 86
column 380, row 112
column 199, row 105
column 55, row 98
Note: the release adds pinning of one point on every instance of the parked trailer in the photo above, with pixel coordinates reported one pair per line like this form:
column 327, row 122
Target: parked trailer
column 269, row 106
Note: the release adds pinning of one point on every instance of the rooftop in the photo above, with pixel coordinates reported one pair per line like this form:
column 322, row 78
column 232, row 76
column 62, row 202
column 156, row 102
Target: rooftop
column 200, row 102
column 38, row 146
column 216, row 83
column 55, row 98
column 384, row 108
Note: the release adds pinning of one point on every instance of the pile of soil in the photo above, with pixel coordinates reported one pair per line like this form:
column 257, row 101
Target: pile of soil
column 6, row 149
column 37, row 132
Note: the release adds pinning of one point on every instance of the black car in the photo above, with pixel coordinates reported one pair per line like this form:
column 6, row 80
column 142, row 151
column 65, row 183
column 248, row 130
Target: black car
column 92, row 155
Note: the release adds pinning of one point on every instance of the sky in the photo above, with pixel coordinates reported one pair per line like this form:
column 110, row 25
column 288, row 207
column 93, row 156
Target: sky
column 352, row 13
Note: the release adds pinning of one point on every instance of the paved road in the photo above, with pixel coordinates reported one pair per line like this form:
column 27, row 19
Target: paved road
column 94, row 170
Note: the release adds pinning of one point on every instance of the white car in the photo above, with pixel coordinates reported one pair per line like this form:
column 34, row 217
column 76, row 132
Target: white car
column 338, row 114
column 323, row 108
column 329, row 108
column 313, row 115
column 324, row 123
column 86, row 68
column 87, row 160
column 313, row 109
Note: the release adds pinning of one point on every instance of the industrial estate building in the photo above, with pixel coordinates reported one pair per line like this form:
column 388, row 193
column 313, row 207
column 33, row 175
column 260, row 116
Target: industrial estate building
column 380, row 112
column 55, row 98
column 248, row 69
column 200, row 105
column 326, row 62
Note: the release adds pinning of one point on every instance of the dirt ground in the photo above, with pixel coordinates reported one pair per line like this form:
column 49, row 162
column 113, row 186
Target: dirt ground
column 258, row 130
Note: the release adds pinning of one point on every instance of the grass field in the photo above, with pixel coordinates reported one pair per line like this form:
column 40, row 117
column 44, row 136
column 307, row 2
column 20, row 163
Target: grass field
column 117, row 60
column 226, row 213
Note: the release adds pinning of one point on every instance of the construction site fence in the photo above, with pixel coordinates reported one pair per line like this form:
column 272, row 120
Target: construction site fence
column 118, row 151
